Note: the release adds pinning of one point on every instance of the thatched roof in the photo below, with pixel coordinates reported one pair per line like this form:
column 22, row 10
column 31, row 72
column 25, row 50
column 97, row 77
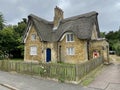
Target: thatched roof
column 81, row 26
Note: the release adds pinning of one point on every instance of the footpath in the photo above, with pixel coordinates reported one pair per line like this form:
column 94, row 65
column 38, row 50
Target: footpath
column 109, row 78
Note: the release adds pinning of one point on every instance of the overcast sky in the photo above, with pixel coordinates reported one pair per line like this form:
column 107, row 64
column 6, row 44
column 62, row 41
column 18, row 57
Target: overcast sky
column 109, row 10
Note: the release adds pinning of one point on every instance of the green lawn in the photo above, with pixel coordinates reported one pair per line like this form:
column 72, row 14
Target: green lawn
column 16, row 60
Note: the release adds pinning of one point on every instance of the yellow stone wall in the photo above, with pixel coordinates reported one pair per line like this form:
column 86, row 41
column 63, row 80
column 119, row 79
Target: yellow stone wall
column 53, row 47
column 41, row 48
column 30, row 43
column 80, row 47
column 102, row 46
column 58, row 16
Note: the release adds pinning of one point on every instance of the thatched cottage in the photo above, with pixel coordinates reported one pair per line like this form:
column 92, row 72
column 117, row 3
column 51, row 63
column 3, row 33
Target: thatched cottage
column 70, row 40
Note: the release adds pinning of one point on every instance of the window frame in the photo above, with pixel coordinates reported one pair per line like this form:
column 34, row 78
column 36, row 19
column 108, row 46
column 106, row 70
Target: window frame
column 33, row 50
column 33, row 37
column 69, row 37
column 71, row 51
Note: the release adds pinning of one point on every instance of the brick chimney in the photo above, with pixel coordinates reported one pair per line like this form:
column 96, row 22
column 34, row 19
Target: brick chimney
column 58, row 17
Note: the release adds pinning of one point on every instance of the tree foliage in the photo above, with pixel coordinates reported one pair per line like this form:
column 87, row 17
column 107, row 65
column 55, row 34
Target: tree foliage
column 114, row 40
column 11, row 40
column 19, row 29
column 7, row 40
column 1, row 21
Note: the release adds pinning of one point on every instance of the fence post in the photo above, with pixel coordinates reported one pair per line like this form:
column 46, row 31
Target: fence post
column 77, row 72
column 31, row 69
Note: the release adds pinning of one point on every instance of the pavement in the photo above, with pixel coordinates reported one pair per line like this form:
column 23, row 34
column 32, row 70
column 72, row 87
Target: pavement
column 15, row 81
column 3, row 88
column 109, row 79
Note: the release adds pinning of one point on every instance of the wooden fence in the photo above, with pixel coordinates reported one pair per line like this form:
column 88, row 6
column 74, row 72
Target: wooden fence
column 62, row 72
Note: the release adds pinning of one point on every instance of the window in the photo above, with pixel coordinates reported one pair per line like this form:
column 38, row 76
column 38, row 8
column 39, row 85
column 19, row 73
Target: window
column 33, row 50
column 70, row 51
column 70, row 37
column 33, row 37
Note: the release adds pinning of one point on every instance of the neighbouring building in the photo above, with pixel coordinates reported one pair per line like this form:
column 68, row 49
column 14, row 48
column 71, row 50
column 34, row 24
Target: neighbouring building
column 70, row 40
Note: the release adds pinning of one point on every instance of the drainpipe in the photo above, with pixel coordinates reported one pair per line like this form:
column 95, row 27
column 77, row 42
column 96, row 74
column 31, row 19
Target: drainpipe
column 88, row 46
column 60, row 53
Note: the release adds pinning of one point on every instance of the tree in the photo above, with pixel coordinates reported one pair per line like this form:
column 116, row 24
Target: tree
column 102, row 34
column 117, row 48
column 11, row 38
column 7, row 40
column 114, row 40
column 19, row 29
column 1, row 22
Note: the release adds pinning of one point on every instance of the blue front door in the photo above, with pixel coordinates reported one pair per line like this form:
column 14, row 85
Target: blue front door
column 48, row 55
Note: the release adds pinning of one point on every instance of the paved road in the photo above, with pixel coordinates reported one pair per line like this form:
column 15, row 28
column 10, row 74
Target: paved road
column 26, row 82
column 109, row 79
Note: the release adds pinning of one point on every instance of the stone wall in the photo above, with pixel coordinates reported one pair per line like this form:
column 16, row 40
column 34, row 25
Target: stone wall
column 58, row 16
column 80, row 47
column 41, row 48
column 102, row 47
column 59, row 49
column 29, row 43
column 53, row 47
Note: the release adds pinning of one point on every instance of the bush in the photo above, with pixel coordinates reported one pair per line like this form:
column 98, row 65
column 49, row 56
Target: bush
column 117, row 48
column 118, row 51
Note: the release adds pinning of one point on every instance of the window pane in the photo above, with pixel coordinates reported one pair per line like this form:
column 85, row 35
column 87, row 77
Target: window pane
column 33, row 36
column 70, row 51
column 33, row 50
column 70, row 37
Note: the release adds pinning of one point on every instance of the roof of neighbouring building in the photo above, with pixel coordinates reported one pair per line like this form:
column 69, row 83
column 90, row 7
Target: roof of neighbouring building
column 81, row 26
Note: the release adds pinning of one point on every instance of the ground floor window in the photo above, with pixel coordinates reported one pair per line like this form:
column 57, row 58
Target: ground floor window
column 33, row 50
column 70, row 51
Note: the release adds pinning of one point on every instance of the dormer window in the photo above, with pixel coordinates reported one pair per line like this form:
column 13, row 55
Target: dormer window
column 69, row 37
column 33, row 37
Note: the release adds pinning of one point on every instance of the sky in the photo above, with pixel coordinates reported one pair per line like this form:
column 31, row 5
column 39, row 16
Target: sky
column 108, row 18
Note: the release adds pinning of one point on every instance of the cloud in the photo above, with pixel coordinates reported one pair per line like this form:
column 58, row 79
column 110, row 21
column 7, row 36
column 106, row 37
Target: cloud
column 15, row 10
column 64, row 4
